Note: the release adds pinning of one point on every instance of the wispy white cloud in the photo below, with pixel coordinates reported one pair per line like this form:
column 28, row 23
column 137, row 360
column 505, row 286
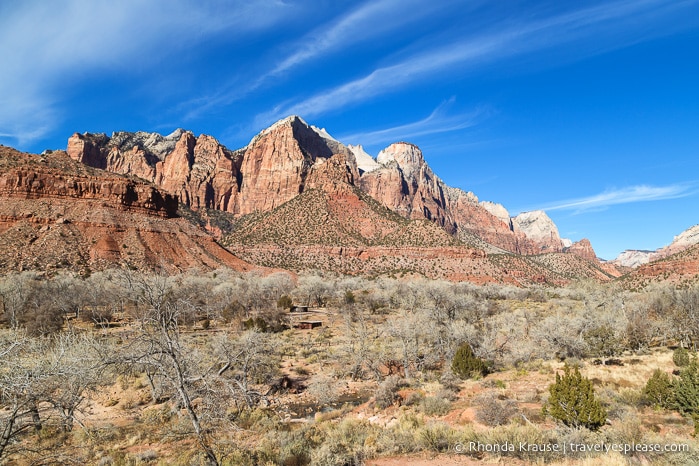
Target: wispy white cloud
column 47, row 46
column 627, row 195
column 369, row 21
column 610, row 20
column 439, row 121
column 380, row 81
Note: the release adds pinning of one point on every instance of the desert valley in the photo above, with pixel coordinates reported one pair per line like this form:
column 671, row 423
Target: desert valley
column 169, row 300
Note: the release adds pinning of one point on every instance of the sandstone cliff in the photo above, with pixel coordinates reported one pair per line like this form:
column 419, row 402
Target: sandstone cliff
column 635, row 258
column 199, row 171
column 405, row 184
column 285, row 159
column 537, row 226
column 59, row 214
column 632, row 258
column 583, row 248
column 684, row 240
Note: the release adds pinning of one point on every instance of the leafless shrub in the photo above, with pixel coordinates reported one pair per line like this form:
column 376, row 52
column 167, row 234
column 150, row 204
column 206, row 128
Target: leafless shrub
column 387, row 393
column 494, row 410
column 435, row 405
column 324, row 389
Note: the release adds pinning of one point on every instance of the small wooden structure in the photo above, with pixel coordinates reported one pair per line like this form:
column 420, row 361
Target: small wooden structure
column 299, row 309
column 308, row 324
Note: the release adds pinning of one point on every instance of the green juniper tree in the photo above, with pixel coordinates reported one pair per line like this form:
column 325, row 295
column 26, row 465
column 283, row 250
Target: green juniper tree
column 466, row 364
column 681, row 357
column 572, row 401
column 686, row 392
column 659, row 389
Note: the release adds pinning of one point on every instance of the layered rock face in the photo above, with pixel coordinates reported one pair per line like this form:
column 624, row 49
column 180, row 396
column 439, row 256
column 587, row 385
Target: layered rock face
column 583, row 248
column 635, row 258
column 537, row 226
column 276, row 163
column 199, row 171
column 684, row 240
column 202, row 173
column 405, row 184
column 285, row 159
column 59, row 214
column 37, row 181
column 365, row 162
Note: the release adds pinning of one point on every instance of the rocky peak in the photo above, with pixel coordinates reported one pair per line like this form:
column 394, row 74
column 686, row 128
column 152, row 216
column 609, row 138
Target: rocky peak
column 89, row 149
column 583, row 249
column 408, row 156
column 633, row 258
column 289, row 156
column 536, row 225
column 687, row 238
column 154, row 145
column 277, row 161
column 365, row 162
column 498, row 210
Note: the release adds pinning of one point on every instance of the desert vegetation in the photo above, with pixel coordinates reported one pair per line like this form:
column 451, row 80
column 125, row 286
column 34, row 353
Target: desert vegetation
column 122, row 367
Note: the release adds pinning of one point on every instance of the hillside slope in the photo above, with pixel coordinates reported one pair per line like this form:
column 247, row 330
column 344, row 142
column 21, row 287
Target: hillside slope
column 59, row 214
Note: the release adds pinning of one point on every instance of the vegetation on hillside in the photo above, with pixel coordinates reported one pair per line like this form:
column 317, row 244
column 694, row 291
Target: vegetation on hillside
column 128, row 368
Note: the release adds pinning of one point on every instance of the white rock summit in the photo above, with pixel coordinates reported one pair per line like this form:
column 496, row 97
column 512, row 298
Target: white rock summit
column 539, row 227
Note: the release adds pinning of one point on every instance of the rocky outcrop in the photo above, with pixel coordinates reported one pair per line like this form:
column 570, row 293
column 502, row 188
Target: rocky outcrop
column 365, row 162
column 537, row 226
column 276, row 163
column 406, row 184
column 684, row 240
column 583, row 248
column 499, row 211
column 30, row 181
column 472, row 218
column 679, row 268
column 199, row 171
column 59, row 214
column 202, row 173
column 633, row 258
column 285, row 159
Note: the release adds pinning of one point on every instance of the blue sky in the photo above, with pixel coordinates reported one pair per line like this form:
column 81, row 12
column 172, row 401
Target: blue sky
column 589, row 110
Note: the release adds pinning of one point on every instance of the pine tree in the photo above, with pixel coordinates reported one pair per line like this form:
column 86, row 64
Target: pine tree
column 686, row 393
column 681, row 357
column 686, row 399
column 572, row 401
column 465, row 364
column 659, row 389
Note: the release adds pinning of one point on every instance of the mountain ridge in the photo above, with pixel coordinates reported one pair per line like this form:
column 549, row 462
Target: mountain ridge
column 273, row 168
column 59, row 214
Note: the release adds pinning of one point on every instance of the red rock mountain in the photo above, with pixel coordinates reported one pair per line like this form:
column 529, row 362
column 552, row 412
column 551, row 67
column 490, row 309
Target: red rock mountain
column 59, row 214
column 283, row 160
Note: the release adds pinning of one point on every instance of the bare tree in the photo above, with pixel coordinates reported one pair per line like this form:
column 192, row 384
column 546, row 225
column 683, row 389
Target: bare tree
column 76, row 367
column 315, row 289
column 22, row 388
column 360, row 346
column 247, row 364
column 407, row 328
column 15, row 290
column 172, row 365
